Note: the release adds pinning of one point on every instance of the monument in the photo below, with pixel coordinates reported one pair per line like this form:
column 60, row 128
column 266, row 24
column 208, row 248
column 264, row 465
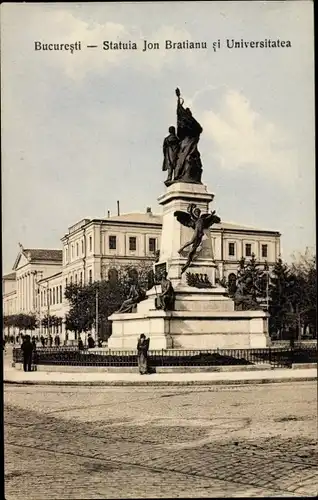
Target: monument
column 187, row 309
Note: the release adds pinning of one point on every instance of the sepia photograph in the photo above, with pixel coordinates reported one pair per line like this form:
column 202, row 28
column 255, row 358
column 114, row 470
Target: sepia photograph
column 158, row 250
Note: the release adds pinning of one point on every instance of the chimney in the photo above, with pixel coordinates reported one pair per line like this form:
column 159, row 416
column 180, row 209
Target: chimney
column 148, row 210
column 118, row 211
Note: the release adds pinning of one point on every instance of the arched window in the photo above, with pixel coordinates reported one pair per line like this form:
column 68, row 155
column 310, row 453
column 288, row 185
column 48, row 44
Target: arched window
column 82, row 246
column 133, row 274
column 90, row 244
column 232, row 283
column 113, row 275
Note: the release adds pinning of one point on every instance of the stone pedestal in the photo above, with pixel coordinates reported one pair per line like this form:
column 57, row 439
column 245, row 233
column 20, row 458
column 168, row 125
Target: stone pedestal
column 204, row 316
column 178, row 197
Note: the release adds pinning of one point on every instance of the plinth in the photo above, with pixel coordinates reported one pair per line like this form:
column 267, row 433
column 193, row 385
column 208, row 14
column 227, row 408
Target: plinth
column 204, row 315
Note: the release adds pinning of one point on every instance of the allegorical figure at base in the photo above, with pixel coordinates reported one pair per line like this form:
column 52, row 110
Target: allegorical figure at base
column 136, row 295
column 199, row 223
column 166, row 298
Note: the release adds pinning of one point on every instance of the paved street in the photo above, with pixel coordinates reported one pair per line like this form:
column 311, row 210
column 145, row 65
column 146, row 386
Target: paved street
column 146, row 442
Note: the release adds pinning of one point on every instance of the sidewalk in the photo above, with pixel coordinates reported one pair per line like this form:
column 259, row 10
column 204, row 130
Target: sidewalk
column 13, row 376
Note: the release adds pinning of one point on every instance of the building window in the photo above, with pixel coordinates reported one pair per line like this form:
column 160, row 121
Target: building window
column 71, row 279
column 61, row 294
column 53, row 295
column 132, row 243
column 75, row 279
column 72, row 251
column 90, row 243
column 232, row 249
column 41, row 299
column 248, row 249
column 44, row 298
column 65, row 282
column 50, row 296
column 90, row 277
column 66, row 254
column 112, row 242
column 76, row 249
column 82, row 247
column 152, row 245
column 81, row 278
column 264, row 251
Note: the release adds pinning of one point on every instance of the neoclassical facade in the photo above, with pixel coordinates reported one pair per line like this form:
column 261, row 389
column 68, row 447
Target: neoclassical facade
column 92, row 248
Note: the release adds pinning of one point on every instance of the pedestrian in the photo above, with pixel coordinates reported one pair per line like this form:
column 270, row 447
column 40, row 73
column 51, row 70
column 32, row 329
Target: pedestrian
column 90, row 341
column 50, row 340
column 100, row 342
column 12, row 339
column 34, row 343
column 142, row 348
column 4, row 345
column 57, row 340
column 80, row 344
column 42, row 341
column 27, row 349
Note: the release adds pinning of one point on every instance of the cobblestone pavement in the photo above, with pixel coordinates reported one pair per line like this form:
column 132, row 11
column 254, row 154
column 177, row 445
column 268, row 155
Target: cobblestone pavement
column 105, row 442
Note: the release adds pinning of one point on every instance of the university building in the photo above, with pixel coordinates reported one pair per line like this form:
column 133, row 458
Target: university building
column 94, row 248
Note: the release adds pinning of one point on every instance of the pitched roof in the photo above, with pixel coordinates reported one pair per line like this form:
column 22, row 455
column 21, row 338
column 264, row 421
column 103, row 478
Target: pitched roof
column 43, row 254
column 10, row 276
column 142, row 217
column 233, row 225
column 157, row 219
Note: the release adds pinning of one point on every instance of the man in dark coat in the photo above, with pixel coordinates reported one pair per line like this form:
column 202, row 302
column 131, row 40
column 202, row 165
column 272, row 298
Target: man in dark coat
column 90, row 341
column 27, row 349
column 80, row 344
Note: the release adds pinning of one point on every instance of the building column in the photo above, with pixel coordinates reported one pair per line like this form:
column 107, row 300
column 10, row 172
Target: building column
column 23, row 292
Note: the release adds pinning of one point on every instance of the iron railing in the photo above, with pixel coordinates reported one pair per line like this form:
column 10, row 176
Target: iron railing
column 71, row 356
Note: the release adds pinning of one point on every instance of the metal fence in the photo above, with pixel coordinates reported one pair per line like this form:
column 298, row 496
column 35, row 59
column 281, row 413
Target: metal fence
column 71, row 356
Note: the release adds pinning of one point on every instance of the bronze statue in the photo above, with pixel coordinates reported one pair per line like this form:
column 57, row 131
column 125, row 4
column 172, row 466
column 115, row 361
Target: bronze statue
column 135, row 296
column 170, row 153
column 199, row 222
column 166, row 299
column 188, row 166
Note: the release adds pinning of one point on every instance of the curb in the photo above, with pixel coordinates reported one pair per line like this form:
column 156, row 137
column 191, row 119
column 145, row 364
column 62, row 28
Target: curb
column 164, row 383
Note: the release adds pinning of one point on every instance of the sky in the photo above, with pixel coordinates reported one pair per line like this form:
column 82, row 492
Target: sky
column 83, row 130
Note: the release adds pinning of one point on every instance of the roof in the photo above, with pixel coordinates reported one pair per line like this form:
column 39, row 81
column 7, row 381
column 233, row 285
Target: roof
column 233, row 225
column 10, row 276
column 141, row 217
column 43, row 254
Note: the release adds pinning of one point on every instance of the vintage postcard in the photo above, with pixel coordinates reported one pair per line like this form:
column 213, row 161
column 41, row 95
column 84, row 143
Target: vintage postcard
column 159, row 261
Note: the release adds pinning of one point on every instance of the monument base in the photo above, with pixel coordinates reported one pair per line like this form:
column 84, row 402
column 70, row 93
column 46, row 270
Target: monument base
column 202, row 319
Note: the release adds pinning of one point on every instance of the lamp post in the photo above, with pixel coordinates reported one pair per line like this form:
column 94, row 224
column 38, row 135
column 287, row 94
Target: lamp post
column 96, row 317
